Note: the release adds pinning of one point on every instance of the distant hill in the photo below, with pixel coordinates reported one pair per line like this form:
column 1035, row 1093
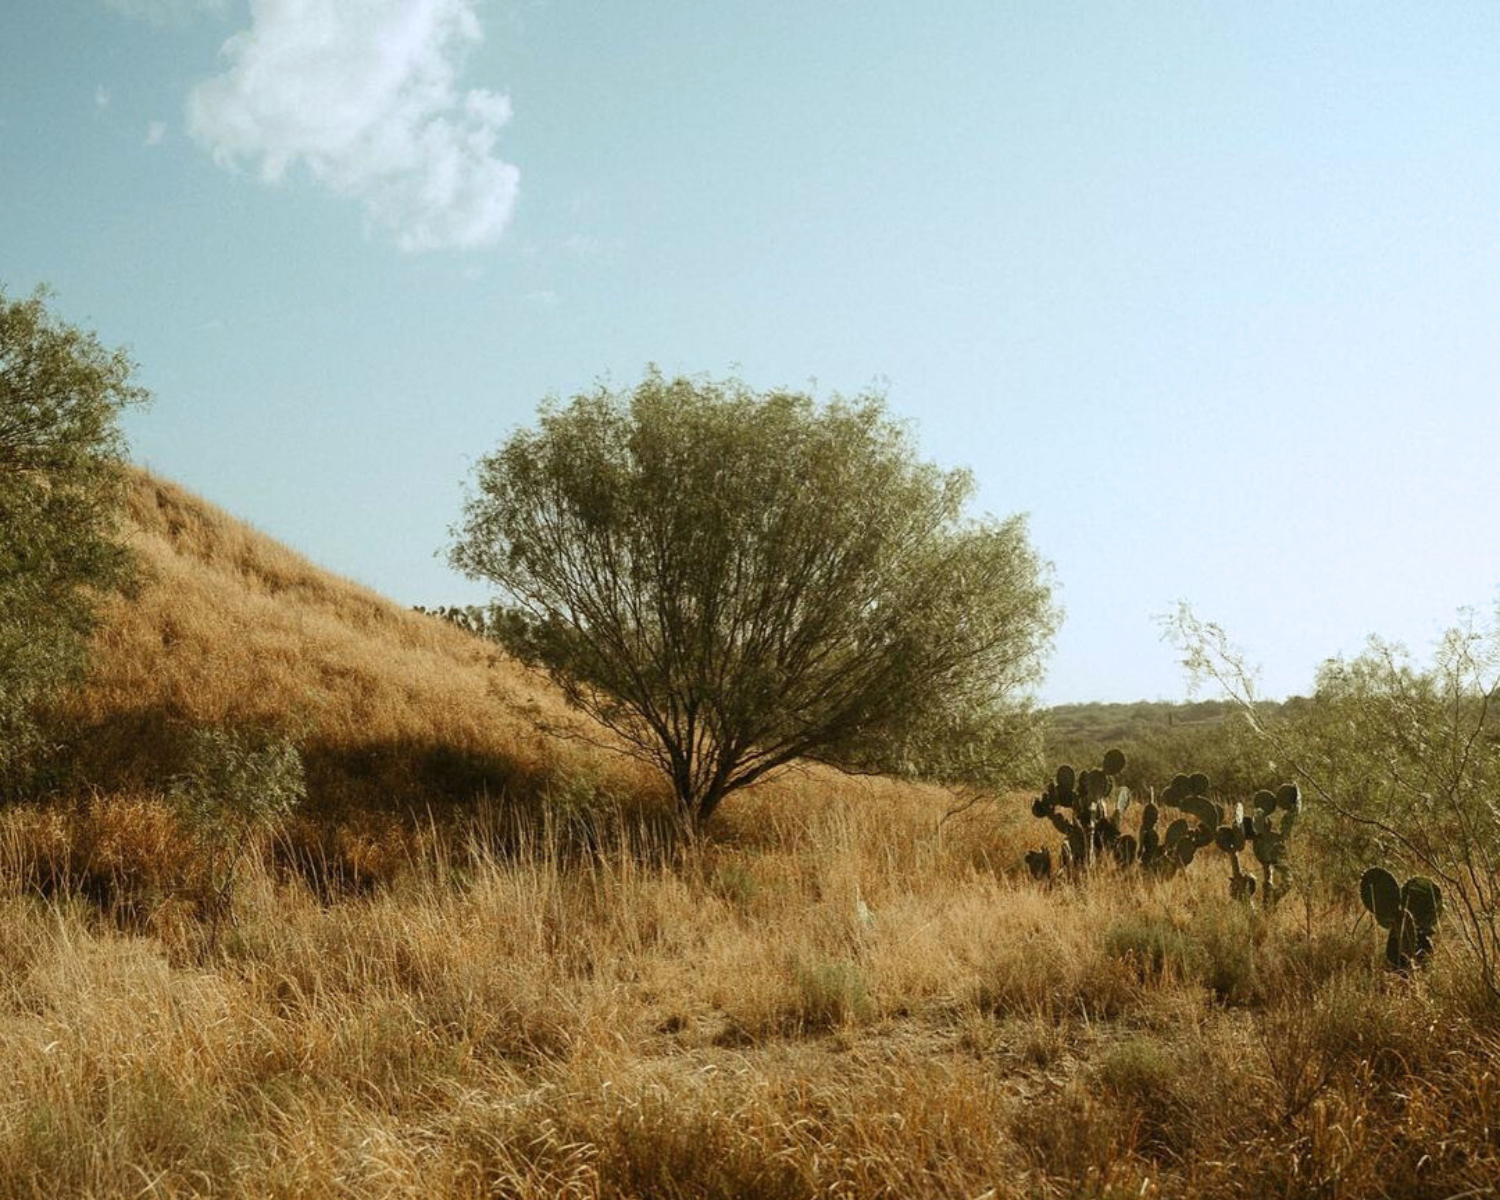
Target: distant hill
column 1161, row 738
column 1122, row 722
column 390, row 706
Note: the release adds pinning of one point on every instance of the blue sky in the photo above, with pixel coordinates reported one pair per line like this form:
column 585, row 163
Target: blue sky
column 1212, row 291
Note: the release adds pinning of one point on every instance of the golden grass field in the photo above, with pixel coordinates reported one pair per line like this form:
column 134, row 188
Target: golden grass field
column 830, row 995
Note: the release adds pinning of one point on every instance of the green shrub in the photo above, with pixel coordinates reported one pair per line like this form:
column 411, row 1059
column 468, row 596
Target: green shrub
column 62, row 481
column 1227, row 936
column 239, row 781
column 236, row 784
column 831, row 993
column 1155, row 946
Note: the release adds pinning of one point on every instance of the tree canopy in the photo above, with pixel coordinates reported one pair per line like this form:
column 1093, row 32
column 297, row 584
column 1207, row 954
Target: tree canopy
column 62, row 471
column 733, row 580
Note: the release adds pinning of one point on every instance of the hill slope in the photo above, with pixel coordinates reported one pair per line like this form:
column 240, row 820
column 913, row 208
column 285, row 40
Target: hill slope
column 231, row 627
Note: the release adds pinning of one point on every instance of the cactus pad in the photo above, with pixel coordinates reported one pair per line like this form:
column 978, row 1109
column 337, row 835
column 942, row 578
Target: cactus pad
column 1381, row 895
column 1424, row 901
column 1269, row 848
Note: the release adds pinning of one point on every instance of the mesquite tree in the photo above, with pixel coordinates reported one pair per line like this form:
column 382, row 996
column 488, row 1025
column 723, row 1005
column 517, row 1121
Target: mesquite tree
column 733, row 580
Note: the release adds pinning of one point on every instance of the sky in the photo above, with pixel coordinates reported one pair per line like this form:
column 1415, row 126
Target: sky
column 1211, row 291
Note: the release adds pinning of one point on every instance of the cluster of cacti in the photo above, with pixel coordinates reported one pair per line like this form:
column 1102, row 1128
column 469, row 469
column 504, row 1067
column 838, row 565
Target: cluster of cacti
column 471, row 618
column 1410, row 912
column 1086, row 808
column 1266, row 837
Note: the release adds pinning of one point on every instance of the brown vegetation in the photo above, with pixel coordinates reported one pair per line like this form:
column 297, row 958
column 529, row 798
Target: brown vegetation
column 831, row 1001
column 835, row 995
column 390, row 707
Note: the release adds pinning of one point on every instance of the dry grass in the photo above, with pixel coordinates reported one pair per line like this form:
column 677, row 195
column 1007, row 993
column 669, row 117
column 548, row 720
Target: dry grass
column 731, row 1023
column 833, row 997
column 391, row 707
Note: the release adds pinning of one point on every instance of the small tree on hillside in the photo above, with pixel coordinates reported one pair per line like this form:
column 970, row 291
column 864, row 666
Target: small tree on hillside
column 732, row 581
column 62, row 472
column 1400, row 762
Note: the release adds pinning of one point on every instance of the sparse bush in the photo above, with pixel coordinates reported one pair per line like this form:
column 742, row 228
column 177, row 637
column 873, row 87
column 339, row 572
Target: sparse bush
column 1400, row 763
column 831, row 993
column 1148, row 1076
column 736, row 883
column 1155, row 946
column 236, row 784
column 1228, row 935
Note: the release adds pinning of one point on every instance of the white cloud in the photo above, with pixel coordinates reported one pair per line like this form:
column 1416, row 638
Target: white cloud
column 364, row 95
column 542, row 300
column 165, row 12
column 155, row 132
column 101, row 97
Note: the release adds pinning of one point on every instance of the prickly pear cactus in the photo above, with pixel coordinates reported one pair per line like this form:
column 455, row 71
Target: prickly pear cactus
column 1409, row 913
column 1085, row 807
column 1263, row 829
column 1231, row 839
column 1197, row 828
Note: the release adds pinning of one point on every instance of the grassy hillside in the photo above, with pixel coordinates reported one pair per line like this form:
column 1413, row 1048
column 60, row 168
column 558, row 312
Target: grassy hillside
column 390, row 707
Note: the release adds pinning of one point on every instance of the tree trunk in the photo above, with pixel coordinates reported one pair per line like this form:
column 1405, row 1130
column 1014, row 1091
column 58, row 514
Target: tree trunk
column 706, row 805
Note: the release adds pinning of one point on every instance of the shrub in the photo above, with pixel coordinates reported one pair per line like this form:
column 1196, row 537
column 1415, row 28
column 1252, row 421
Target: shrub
column 237, row 783
column 62, row 477
column 1155, row 946
column 1399, row 762
column 831, row 993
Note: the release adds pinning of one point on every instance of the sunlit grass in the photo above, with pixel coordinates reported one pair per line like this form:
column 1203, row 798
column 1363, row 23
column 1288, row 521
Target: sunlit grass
column 835, row 994
column 846, row 1005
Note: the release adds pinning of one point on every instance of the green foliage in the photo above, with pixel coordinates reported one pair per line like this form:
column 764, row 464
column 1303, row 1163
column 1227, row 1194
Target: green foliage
column 236, row 783
column 471, row 618
column 1161, row 739
column 1402, row 759
column 1142, row 1068
column 1189, row 795
column 1266, row 836
column 1231, row 965
column 831, row 992
column 733, row 580
column 1087, row 809
column 1154, row 945
column 1409, row 912
column 492, row 622
column 62, row 475
column 239, row 781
